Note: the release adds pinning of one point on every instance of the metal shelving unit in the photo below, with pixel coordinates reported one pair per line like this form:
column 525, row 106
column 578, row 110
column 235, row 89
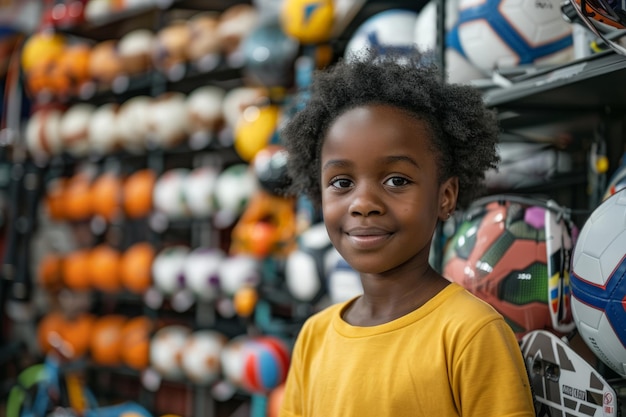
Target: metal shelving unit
column 576, row 104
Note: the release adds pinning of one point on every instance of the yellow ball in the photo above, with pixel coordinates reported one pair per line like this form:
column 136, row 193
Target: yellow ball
column 255, row 129
column 42, row 47
column 602, row 164
column 245, row 301
column 309, row 21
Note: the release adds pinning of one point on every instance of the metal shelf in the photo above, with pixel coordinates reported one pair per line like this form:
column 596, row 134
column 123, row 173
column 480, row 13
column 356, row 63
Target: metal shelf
column 569, row 100
column 591, row 83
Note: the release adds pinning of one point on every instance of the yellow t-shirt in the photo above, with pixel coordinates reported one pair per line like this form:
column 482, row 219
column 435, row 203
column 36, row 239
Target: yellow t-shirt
column 454, row 356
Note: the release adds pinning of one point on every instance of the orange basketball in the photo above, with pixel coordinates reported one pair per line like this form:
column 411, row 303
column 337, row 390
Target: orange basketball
column 137, row 193
column 104, row 268
column 51, row 322
column 136, row 267
column 106, row 196
column 39, row 77
column 171, row 44
column 75, row 270
column 105, row 63
column 106, row 339
column 76, row 332
column 49, row 274
column 72, row 69
column 135, row 350
column 77, row 200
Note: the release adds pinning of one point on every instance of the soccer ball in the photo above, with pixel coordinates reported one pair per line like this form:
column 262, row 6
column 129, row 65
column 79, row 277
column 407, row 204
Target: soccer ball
column 510, row 33
column 458, row 68
column 387, row 32
column 166, row 347
column 308, row 21
column 200, row 356
column 306, row 267
column 513, row 253
column 599, row 282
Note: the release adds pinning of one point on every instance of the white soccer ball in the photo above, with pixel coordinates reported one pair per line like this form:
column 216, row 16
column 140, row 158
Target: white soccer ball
column 385, row 32
column 133, row 122
column 510, row 33
column 238, row 271
column 204, row 106
column 201, row 272
column 234, row 187
column 74, row 129
column 458, row 68
column 168, row 119
column 199, row 191
column 168, row 196
column 201, row 356
column 43, row 133
column 165, row 350
column 598, row 282
column 305, row 267
column 103, row 134
column 168, row 269
column 135, row 49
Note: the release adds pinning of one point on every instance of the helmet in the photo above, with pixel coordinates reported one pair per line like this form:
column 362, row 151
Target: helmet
column 602, row 17
column 269, row 55
column 513, row 252
column 270, row 167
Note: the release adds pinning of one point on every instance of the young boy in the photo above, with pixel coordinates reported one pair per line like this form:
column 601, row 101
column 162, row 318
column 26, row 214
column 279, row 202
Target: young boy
column 388, row 150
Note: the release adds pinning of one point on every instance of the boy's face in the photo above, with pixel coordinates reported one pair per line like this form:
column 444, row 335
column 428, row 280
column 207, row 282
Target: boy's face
column 380, row 194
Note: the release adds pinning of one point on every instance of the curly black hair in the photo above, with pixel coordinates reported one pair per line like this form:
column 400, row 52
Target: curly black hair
column 465, row 132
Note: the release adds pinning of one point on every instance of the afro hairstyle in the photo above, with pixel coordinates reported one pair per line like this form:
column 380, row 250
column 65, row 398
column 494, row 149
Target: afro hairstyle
column 465, row 131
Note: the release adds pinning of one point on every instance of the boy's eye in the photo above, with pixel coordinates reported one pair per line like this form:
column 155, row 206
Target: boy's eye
column 341, row 183
column 396, row 181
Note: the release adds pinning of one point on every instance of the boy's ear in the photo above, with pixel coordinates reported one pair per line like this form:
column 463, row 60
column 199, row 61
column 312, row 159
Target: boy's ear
column 448, row 192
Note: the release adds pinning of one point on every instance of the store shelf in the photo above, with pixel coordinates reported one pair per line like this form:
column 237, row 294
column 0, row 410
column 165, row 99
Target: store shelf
column 568, row 100
column 593, row 83
column 117, row 24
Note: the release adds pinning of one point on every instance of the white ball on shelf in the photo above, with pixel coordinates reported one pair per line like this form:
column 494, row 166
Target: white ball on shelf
column 133, row 122
column 168, row 119
column 237, row 271
column 165, row 350
column 199, row 191
column 201, row 272
column 43, row 133
column 201, row 356
column 74, row 128
column 168, row 196
column 103, row 129
column 168, row 269
column 204, row 105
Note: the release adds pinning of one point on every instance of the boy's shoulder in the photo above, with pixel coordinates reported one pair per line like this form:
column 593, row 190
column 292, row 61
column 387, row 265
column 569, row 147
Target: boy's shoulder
column 467, row 306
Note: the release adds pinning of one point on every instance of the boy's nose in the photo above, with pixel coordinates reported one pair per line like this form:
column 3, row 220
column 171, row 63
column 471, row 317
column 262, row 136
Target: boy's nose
column 366, row 202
